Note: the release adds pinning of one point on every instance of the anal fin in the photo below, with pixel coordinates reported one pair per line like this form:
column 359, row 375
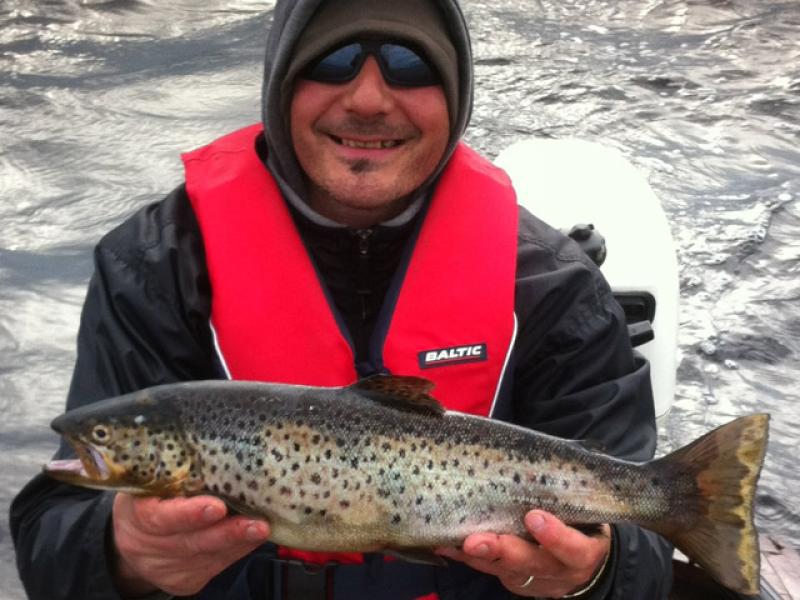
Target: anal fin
column 424, row 556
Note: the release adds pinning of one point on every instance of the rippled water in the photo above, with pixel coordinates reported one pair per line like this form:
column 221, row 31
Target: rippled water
column 98, row 97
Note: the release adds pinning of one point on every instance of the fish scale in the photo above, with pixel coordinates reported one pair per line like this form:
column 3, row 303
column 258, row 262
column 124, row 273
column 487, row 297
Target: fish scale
column 381, row 466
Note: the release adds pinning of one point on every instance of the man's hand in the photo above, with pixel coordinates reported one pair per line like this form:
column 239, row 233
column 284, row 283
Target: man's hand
column 177, row 545
column 565, row 560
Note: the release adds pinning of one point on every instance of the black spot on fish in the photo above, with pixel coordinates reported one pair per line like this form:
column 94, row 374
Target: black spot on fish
column 344, row 504
column 427, row 519
column 307, row 510
column 277, row 455
column 471, row 472
column 316, row 479
column 583, row 483
column 315, row 438
column 354, row 462
column 543, row 479
column 517, row 478
column 335, row 473
column 296, row 447
column 565, row 484
column 396, row 519
column 419, row 500
column 326, row 494
column 238, row 477
column 242, row 497
column 328, row 454
column 655, row 481
column 285, row 491
column 227, row 487
column 295, row 467
column 323, row 512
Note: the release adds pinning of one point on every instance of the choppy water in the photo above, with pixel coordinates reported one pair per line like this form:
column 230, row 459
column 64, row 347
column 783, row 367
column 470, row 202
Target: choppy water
column 98, row 97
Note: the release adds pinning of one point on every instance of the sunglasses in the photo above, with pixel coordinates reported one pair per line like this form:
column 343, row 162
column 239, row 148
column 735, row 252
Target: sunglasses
column 400, row 64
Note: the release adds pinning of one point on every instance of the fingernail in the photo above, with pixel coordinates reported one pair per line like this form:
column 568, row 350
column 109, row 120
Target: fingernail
column 211, row 513
column 481, row 550
column 536, row 522
column 253, row 533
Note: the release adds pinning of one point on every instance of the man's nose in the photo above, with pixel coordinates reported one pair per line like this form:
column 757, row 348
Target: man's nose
column 368, row 93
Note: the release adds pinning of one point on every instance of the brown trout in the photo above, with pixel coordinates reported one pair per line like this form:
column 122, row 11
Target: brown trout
column 381, row 466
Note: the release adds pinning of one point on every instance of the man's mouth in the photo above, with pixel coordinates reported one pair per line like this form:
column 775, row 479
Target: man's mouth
column 367, row 145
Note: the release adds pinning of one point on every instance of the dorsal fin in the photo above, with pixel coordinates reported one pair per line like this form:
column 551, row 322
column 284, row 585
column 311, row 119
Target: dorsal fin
column 409, row 394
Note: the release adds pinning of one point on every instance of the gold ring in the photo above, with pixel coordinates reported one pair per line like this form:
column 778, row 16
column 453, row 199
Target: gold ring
column 528, row 581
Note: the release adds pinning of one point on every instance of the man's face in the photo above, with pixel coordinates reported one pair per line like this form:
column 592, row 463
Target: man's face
column 365, row 145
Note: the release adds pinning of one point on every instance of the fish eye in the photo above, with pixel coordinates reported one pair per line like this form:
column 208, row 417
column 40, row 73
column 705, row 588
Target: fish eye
column 100, row 434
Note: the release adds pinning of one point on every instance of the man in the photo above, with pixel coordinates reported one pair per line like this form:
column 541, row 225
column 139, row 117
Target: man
column 354, row 235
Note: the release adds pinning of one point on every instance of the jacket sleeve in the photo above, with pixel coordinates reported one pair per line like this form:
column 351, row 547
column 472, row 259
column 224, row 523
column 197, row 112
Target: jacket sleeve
column 144, row 322
column 576, row 376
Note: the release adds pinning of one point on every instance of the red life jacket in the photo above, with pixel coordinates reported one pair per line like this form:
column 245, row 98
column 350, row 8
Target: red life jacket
column 453, row 320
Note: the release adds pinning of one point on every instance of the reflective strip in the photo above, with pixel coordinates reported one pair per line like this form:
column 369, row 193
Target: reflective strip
column 221, row 357
column 505, row 365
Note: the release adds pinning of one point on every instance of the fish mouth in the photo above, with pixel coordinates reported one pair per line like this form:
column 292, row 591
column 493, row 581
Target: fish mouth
column 91, row 468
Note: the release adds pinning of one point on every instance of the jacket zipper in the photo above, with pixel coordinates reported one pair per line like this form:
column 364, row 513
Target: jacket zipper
column 364, row 288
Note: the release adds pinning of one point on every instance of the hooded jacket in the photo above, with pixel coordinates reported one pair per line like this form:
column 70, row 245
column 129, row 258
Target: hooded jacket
column 146, row 322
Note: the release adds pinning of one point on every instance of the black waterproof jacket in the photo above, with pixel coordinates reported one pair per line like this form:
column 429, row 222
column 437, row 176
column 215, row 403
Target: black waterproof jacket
column 146, row 322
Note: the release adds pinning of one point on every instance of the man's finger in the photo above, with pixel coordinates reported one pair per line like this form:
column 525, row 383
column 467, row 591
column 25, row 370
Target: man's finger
column 504, row 554
column 177, row 515
column 568, row 545
column 224, row 538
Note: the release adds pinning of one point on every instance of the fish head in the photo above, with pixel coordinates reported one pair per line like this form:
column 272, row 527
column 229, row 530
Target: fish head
column 133, row 443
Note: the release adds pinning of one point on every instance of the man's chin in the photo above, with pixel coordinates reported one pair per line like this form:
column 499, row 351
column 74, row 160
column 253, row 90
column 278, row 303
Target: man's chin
column 362, row 205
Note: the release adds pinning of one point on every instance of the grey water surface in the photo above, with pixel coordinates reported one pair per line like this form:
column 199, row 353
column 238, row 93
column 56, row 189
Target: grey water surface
column 98, row 97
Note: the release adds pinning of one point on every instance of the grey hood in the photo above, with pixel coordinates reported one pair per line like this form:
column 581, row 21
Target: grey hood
column 289, row 20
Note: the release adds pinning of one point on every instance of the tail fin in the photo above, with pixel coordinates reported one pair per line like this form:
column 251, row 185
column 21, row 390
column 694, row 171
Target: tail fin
column 715, row 482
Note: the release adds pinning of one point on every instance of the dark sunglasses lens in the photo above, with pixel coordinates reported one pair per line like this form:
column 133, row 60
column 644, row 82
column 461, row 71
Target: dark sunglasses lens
column 338, row 66
column 406, row 67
